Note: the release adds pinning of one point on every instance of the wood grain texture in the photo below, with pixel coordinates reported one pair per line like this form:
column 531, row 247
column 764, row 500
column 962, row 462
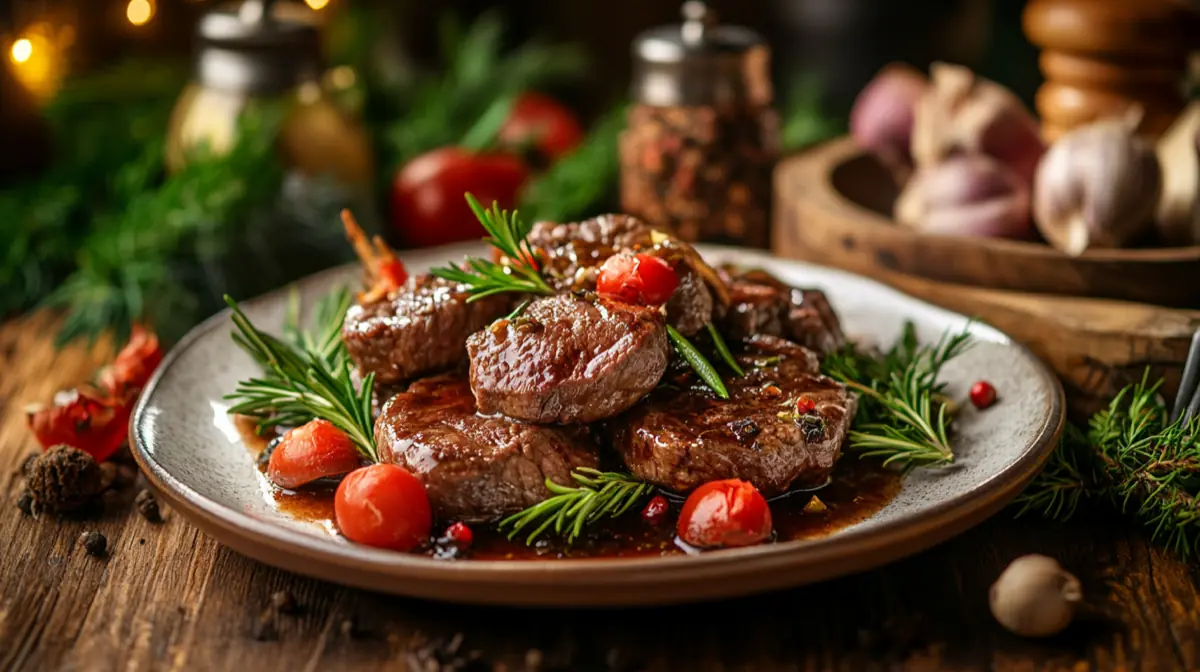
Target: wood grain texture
column 169, row 598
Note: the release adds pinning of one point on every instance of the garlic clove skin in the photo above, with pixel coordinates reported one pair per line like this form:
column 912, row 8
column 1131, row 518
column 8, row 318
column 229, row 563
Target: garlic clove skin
column 1034, row 596
column 961, row 112
column 1097, row 187
column 1178, row 213
column 881, row 120
column 966, row 195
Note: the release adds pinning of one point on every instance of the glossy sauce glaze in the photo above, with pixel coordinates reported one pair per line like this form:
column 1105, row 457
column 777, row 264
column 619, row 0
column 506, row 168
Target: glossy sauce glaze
column 857, row 490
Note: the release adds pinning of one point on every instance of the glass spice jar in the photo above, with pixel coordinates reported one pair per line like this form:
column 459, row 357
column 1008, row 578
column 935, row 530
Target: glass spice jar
column 702, row 138
column 266, row 53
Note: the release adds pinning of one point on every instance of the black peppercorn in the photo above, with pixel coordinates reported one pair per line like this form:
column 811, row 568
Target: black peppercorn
column 95, row 543
column 147, row 505
column 63, row 479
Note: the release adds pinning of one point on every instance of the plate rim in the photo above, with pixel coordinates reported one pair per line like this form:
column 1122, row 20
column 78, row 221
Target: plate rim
column 420, row 576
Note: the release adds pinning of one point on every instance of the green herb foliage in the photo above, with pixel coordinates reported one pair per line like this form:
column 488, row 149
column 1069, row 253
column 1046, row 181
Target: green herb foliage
column 1131, row 457
column 698, row 362
column 599, row 495
column 507, row 233
column 723, row 349
column 583, row 182
column 304, row 377
column 903, row 415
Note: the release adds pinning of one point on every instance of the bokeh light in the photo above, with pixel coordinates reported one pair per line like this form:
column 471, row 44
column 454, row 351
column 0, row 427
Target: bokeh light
column 22, row 49
column 139, row 12
column 317, row 4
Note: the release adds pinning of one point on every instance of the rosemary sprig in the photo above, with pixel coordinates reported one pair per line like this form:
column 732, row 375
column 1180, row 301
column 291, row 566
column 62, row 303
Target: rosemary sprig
column 698, row 362
column 1133, row 458
column 903, row 415
column 507, row 233
column 601, row 494
column 723, row 349
column 300, row 383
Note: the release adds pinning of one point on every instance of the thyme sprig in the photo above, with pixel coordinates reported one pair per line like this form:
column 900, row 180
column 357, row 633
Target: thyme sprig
column 1131, row 457
column 903, row 415
column 600, row 494
column 306, row 378
column 507, row 233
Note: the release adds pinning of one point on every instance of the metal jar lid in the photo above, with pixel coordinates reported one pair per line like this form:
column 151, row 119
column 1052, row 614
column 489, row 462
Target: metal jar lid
column 700, row 62
column 258, row 47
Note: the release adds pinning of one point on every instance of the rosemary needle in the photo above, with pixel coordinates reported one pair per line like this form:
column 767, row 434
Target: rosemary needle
column 723, row 349
column 600, row 494
column 698, row 362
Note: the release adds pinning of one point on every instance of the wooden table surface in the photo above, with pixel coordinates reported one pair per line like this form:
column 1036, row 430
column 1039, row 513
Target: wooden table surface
column 167, row 597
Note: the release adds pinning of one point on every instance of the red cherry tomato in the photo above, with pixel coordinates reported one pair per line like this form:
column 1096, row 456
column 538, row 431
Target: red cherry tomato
column 428, row 203
column 134, row 365
column 84, row 419
column 637, row 278
column 544, row 123
column 725, row 513
column 805, row 404
column 383, row 505
column 983, row 394
column 460, row 536
column 393, row 274
column 316, row 449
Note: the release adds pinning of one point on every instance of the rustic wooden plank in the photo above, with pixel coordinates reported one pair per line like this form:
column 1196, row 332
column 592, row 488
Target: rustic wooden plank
column 168, row 597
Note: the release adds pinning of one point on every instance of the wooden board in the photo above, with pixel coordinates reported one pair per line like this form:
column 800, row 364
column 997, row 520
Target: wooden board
column 1095, row 345
column 833, row 205
column 169, row 598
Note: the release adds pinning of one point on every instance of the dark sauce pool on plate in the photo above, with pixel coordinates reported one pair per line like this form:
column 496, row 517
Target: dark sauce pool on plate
column 858, row 489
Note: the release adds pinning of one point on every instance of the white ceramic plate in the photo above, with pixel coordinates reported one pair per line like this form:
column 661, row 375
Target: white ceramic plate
column 193, row 454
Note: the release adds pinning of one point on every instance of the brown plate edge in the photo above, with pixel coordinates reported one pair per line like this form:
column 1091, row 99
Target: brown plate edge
column 590, row 582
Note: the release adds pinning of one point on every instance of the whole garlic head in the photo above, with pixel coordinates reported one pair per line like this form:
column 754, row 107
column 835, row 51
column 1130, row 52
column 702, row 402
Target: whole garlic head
column 1097, row 187
column 966, row 195
column 1034, row 596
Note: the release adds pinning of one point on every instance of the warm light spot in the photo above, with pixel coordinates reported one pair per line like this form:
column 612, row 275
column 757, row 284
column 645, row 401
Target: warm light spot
column 317, row 4
column 139, row 12
column 22, row 49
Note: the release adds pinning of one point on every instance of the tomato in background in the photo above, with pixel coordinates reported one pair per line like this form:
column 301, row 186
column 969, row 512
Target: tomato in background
column 428, row 203
column 542, row 123
column 85, row 419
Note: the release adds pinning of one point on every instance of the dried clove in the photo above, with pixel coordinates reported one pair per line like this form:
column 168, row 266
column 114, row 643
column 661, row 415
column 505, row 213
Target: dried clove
column 284, row 602
column 25, row 502
column 63, row 479
column 266, row 628
column 147, row 505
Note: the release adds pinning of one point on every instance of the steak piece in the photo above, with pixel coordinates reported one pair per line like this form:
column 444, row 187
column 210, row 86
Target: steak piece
column 574, row 252
column 473, row 467
column 568, row 359
column 420, row 328
column 763, row 304
column 683, row 436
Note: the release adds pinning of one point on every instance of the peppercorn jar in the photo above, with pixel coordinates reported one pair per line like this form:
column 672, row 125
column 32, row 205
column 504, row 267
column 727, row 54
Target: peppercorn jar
column 702, row 138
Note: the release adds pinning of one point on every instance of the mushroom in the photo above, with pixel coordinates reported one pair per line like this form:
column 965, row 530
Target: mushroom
column 1034, row 596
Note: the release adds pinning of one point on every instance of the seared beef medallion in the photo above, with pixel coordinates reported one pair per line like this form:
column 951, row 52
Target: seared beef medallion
column 568, row 359
column 763, row 304
column 682, row 435
column 475, row 467
column 574, row 252
column 419, row 329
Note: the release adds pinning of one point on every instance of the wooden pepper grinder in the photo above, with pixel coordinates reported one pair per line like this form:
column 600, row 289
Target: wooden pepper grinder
column 1100, row 57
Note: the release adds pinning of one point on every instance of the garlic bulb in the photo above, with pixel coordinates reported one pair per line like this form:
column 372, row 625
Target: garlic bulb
column 960, row 112
column 881, row 120
column 966, row 195
column 1098, row 186
column 1034, row 596
column 1178, row 215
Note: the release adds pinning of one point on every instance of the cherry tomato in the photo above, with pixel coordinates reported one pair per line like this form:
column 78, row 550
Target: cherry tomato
column 656, row 510
column 637, row 278
column 383, row 505
column 428, row 203
column 316, row 449
column 85, row 419
column 725, row 513
column 544, row 123
column 983, row 394
column 134, row 365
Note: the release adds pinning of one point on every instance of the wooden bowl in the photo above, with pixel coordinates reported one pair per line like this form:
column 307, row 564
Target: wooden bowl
column 833, row 206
